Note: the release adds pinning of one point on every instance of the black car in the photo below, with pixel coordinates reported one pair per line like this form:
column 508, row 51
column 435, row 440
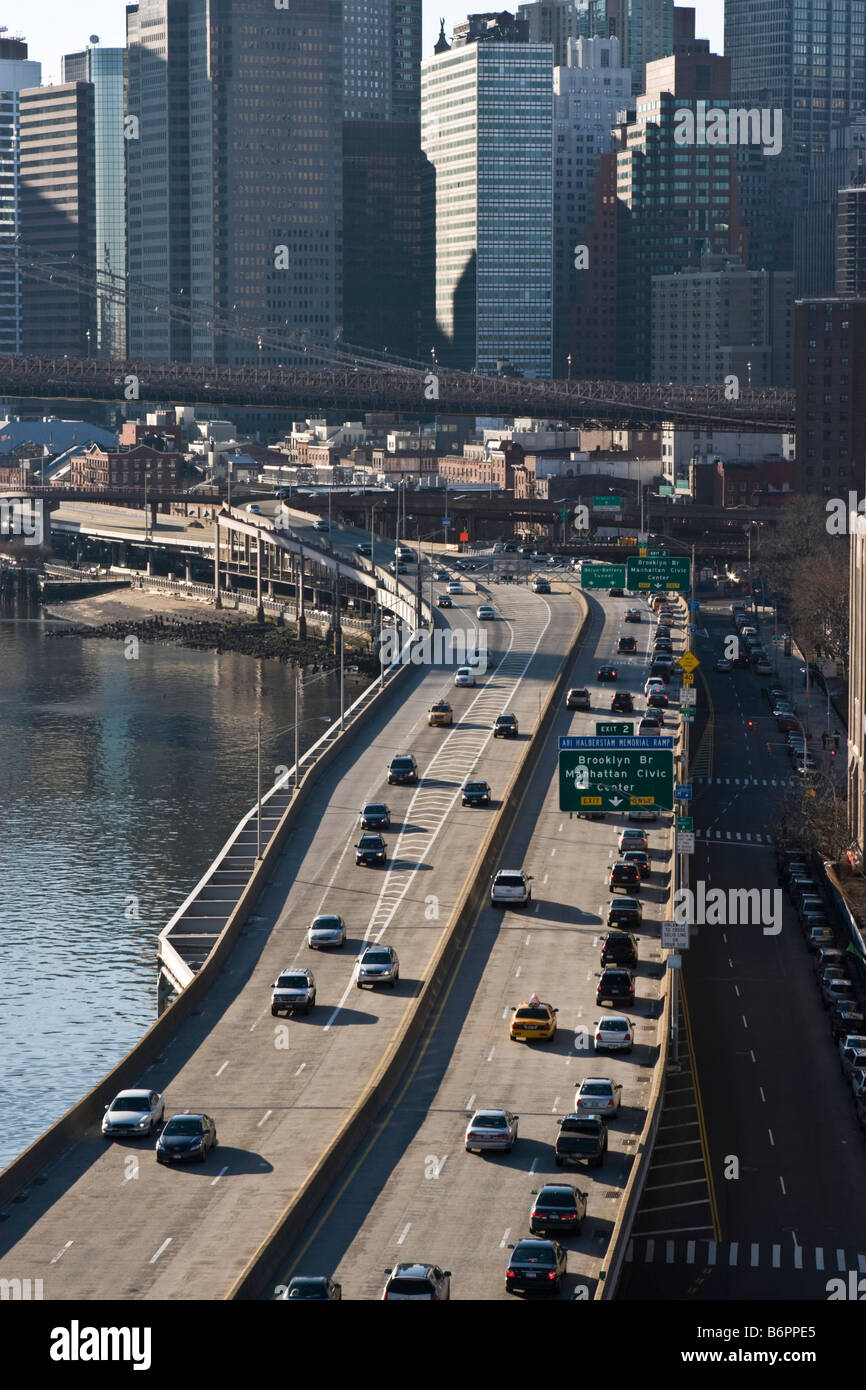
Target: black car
column 403, row 768
column 505, row 726
column 619, row 948
column 616, row 593
column 370, row 849
column 557, row 1207
column 615, row 984
column 444, row 601
column 624, row 877
column 846, row 1018
column 535, row 1266
column 624, row 913
column 476, row 794
column 663, row 671
column 657, row 700
column 606, row 673
column 581, row 1139
column 633, row 616
column 318, row 1288
column 626, row 644
column 376, row 816
column 186, row 1138
column 622, row 703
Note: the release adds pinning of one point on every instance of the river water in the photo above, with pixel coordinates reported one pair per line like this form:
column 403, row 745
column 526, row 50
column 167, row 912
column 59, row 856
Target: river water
column 119, row 782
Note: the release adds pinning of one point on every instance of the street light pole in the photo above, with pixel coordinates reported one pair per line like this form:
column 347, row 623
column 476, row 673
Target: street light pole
column 259, row 789
column 297, row 723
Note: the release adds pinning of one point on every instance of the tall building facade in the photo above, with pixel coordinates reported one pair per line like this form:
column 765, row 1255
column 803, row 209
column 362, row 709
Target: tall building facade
column 234, row 194
column 487, row 134
column 805, row 57
column 851, row 243
column 17, row 71
column 678, row 194
column 382, row 175
column 844, row 166
column 105, row 70
column 720, row 320
column 553, row 22
column 588, row 92
column 58, row 216
column 831, row 386
column 857, row 688
column 645, row 29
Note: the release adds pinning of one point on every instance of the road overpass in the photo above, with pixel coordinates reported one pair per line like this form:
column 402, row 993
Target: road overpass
column 411, row 391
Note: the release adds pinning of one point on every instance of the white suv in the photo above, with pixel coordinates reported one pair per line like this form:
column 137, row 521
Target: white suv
column 511, row 886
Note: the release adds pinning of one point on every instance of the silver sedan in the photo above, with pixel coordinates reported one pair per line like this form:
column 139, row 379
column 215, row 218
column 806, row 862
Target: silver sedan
column 329, row 930
column 491, row 1129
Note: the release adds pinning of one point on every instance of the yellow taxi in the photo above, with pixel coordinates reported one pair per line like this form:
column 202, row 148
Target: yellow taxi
column 533, row 1021
column 440, row 714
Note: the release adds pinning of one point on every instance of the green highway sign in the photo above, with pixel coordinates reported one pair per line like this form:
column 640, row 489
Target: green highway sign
column 607, row 502
column 658, row 572
column 666, row 490
column 602, row 576
column 615, row 774
column 563, row 513
column 685, row 822
column 614, row 730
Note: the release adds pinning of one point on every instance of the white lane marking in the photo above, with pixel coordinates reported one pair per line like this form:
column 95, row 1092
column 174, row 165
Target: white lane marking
column 745, row 1024
column 725, row 938
column 755, row 1255
column 553, row 1107
column 690, row 1252
column 546, row 877
column 763, row 1097
column 471, row 1101
column 711, row 1252
column 819, row 1257
column 553, row 852
column 61, row 1253
column 258, row 1020
column 730, row 963
column 300, row 1069
column 505, row 1012
column 798, row 1257
column 457, row 766
column 732, row 1252
column 491, row 1052
column 560, row 827
column 782, row 1185
column 776, row 1256
column 517, row 972
column 772, row 1140
column 221, row 1070
column 267, row 1115
column 650, row 1251
column 532, row 1167
column 736, row 991
column 528, row 939
column 537, row 907
column 165, row 1244
column 404, row 1233
column 751, row 1054
column 840, row 1261
column 504, row 1240
column 221, row 1174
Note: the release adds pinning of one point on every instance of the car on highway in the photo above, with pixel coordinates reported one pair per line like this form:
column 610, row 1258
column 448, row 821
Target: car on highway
column 845, row 1017
column 605, row 674
column 505, row 726
column 319, row 1288
column 485, row 611
column 533, row 1021
column 455, row 587
column 818, row 936
column 440, row 576
column 321, row 526
column 625, row 913
column 578, row 698
column 827, row 956
column 626, row 644
column 535, row 1266
column 648, row 727
column 641, row 859
column 631, row 839
column 375, row 816
column 133, row 1114
column 581, row 1139
column 557, row 1207
column 662, row 671
column 418, row 1282
column 623, row 878
column 834, row 991
column 377, row 965
column 254, row 508
column 465, row 676
column 657, row 699
column 652, row 683
column 370, row 850
column 186, row 1138
column 444, row 601
column 402, row 769
column 853, row 1060
column 598, row 1094
column 511, row 887
column 643, row 813
column 364, row 548
column 327, row 930
column 440, row 715
column 619, row 948
column 541, row 585
column 622, row 702
column 476, row 794
column 763, row 667
column 653, row 717
column 197, row 524
column 613, row 1034
column 491, row 1129
column 293, row 991
column 615, row 984
column 633, row 615
column 398, row 567
column 616, row 592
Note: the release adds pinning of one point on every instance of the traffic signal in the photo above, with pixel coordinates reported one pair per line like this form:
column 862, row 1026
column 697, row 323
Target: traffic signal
column 750, row 723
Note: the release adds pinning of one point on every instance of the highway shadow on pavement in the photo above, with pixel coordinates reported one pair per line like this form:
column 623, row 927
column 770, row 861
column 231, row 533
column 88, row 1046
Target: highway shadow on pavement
column 347, row 1017
column 567, row 913
column 240, row 1163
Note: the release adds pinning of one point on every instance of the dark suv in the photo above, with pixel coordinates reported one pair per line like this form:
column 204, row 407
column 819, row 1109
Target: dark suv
column 622, row 703
column 403, row 768
column 619, row 948
column 617, row 985
column 505, row 726
column 626, row 644
column 581, row 1139
column 624, row 877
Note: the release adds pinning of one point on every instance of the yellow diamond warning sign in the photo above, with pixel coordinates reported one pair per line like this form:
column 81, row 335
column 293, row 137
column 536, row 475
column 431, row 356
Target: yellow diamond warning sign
column 689, row 661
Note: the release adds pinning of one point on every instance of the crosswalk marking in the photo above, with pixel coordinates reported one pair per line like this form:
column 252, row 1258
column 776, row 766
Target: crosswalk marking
column 747, row 781
column 798, row 1257
column 732, row 1258
column 704, row 1250
column 819, row 1258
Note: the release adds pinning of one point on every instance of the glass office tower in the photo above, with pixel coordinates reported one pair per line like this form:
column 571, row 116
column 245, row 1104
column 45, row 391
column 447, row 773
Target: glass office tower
column 16, row 72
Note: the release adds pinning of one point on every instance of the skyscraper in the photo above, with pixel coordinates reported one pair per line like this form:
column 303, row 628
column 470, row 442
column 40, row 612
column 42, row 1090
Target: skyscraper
column 16, row 72
column 551, row 21
column 806, row 57
column 58, row 216
column 844, row 166
column 382, row 174
column 645, row 29
column 234, row 152
column 105, row 69
column 487, row 131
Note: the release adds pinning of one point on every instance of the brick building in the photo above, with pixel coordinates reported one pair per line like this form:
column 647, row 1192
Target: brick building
column 126, row 467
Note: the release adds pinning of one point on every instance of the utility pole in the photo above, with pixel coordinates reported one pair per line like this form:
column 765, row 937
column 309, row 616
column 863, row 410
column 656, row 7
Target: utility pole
column 259, row 789
column 297, row 722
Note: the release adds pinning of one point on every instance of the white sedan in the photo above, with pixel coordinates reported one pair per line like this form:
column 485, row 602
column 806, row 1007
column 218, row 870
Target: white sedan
column 653, row 683
column 465, row 676
column 485, row 611
column 133, row 1113
column 614, row 1033
column 598, row 1094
